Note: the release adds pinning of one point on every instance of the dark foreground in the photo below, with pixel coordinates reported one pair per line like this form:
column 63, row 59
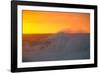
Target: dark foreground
column 60, row 46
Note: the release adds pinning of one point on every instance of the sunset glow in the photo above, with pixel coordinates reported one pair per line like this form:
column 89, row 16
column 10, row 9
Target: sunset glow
column 42, row 22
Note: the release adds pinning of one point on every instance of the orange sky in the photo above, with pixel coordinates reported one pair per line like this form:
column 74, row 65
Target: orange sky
column 38, row 22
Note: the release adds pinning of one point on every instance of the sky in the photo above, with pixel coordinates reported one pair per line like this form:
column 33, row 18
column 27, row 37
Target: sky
column 44, row 22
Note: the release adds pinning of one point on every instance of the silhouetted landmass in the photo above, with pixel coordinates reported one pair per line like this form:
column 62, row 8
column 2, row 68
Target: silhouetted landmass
column 60, row 46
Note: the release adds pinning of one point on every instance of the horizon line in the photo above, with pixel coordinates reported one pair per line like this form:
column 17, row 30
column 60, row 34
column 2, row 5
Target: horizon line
column 59, row 32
